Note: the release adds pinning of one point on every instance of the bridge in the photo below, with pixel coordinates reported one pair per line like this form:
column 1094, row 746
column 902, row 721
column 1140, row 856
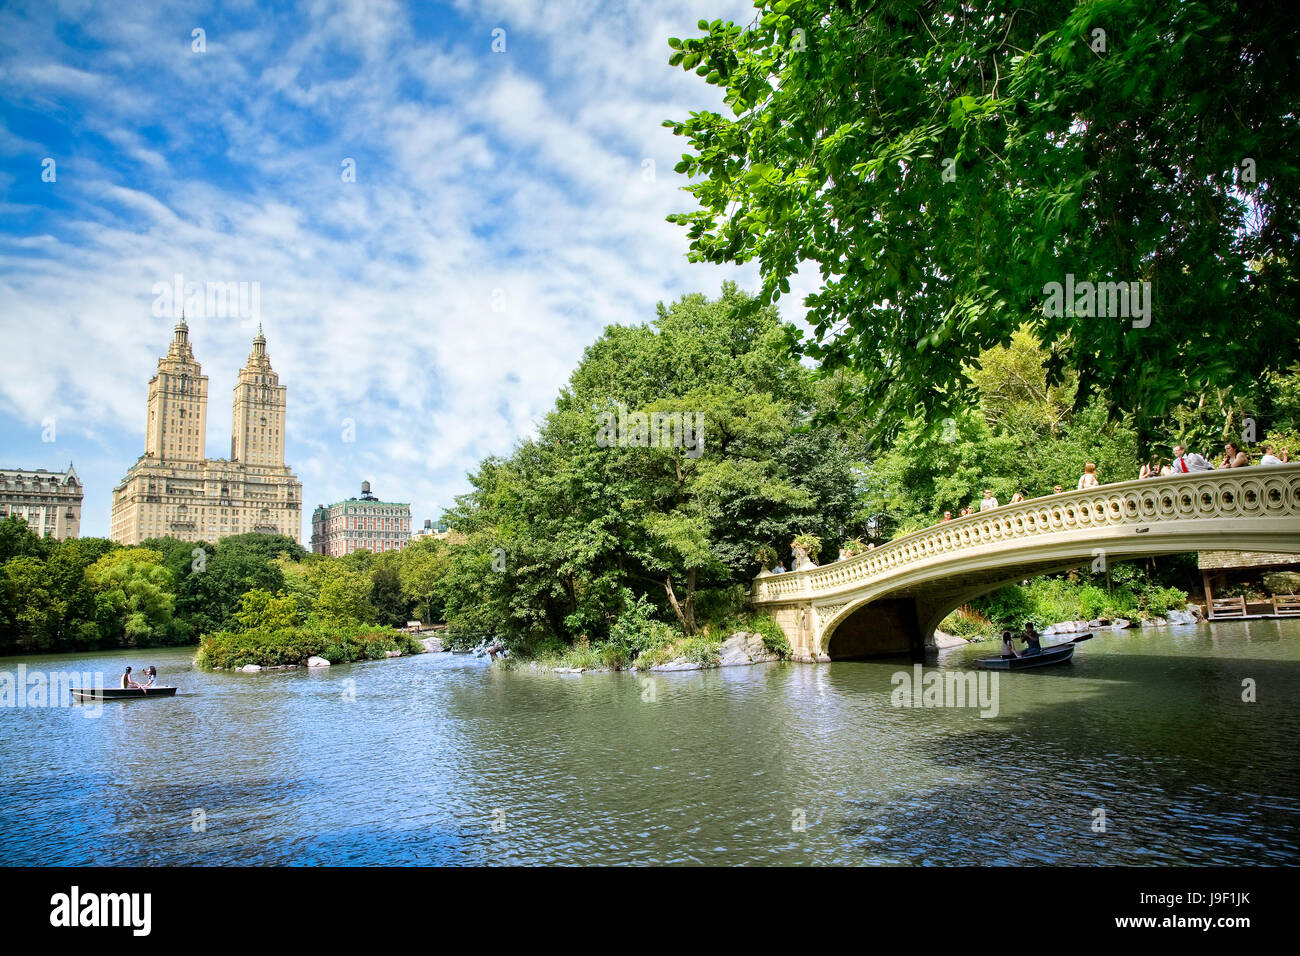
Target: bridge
column 891, row 599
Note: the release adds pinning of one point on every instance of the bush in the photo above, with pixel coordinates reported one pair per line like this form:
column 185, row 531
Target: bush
column 968, row 623
column 636, row 629
column 774, row 638
column 1158, row 601
column 1010, row 606
column 278, row 648
column 1282, row 582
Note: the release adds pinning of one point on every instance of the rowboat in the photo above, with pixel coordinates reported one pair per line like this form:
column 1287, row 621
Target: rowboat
column 89, row 694
column 1056, row 654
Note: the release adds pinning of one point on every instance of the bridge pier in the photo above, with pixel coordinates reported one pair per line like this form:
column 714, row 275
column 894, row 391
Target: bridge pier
column 883, row 627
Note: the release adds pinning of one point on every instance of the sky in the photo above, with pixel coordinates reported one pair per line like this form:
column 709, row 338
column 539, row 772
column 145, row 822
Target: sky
column 435, row 229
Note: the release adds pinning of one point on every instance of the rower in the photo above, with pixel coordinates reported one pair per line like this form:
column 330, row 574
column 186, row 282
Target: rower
column 1030, row 637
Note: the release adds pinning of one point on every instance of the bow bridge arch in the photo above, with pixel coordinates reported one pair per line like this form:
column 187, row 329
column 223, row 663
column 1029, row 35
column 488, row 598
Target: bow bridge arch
column 891, row 599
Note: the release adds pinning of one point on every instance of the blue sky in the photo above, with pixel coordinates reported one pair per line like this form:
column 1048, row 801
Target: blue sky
column 504, row 211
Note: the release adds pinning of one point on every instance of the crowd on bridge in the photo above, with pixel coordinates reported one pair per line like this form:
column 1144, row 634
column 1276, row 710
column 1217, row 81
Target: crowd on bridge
column 1184, row 462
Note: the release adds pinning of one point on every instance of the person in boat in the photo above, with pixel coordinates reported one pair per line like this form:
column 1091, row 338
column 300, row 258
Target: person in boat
column 1030, row 636
column 1009, row 645
column 151, row 675
column 127, row 681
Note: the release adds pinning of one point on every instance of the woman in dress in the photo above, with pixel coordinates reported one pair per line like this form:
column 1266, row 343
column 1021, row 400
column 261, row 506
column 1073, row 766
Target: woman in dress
column 1089, row 477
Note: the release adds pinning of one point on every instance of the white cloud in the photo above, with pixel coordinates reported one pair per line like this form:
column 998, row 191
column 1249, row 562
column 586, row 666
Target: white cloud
column 476, row 172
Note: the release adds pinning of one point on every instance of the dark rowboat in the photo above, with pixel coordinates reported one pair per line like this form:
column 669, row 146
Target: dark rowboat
column 1056, row 654
column 120, row 693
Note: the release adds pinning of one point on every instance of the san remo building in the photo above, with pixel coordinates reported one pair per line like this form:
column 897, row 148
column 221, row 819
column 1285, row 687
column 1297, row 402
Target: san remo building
column 174, row 490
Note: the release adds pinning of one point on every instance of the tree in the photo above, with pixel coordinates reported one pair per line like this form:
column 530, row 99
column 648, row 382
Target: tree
column 32, row 609
column 215, row 576
column 261, row 610
column 424, row 564
column 133, row 598
column 614, row 500
column 392, row 606
column 941, row 167
column 17, row 539
column 344, row 596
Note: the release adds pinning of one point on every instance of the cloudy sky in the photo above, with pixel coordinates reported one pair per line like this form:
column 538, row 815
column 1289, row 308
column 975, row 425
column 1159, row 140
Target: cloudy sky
column 506, row 207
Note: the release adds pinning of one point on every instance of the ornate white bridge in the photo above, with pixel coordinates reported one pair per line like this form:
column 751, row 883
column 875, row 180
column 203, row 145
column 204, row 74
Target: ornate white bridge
column 891, row 599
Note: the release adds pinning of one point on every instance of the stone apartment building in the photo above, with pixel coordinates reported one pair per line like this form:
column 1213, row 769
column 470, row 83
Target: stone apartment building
column 358, row 523
column 174, row 489
column 49, row 501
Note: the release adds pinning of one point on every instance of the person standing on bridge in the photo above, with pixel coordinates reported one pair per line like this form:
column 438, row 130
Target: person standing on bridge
column 1234, row 457
column 1272, row 459
column 1089, row 477
column 989, row 502
column 1185, row 461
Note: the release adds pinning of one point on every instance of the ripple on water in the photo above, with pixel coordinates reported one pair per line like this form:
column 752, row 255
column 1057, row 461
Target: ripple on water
column 440, row 759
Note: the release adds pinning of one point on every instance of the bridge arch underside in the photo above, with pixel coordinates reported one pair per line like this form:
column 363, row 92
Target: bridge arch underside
column 900, row 617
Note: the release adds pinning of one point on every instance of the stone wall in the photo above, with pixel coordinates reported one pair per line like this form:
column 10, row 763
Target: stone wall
column 1244, row 560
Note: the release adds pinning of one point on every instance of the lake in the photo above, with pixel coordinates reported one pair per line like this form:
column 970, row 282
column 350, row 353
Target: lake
column 445, row 759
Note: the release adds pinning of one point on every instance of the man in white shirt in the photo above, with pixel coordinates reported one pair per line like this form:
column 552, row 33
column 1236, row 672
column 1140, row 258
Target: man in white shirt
column 1272, row 459
column 989, row 502
column 1185, row 461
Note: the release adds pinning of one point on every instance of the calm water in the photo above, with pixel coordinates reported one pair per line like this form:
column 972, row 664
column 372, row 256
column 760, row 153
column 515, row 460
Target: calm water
column 444, row 759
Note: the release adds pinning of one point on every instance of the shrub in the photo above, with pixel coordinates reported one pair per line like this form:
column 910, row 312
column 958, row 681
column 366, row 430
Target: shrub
column 636, row 629
column 774, row 638
column 1158, row 601
column 277, row 648
column 1010, row 606
column 1282, row 582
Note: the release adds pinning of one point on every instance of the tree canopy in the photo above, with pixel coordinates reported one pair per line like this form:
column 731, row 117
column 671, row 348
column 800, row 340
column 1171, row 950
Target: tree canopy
column 941, row 164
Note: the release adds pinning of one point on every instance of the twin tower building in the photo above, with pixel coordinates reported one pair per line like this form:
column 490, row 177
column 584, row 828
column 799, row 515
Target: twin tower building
column 175, row 490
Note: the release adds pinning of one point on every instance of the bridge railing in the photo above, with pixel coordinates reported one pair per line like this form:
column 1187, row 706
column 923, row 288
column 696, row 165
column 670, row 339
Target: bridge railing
column 1252, row 492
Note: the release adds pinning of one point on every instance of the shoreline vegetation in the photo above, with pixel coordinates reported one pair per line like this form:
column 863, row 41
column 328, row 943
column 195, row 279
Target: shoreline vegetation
column 301, row 646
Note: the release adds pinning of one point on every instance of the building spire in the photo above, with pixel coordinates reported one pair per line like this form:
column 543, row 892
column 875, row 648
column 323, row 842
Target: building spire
column 181, row 334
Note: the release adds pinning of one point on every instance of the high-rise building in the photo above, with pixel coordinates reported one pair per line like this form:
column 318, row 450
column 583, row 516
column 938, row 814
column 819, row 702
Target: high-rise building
column 360, row 523
column 174, row 490
column 49, row 501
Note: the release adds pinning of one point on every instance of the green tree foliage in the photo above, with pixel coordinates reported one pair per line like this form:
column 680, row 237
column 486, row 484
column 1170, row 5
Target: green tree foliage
column 940, row 165
column 343, row 598
column 260, row 610
column 133, row 597
column 1019, row 437
column 567, row 530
